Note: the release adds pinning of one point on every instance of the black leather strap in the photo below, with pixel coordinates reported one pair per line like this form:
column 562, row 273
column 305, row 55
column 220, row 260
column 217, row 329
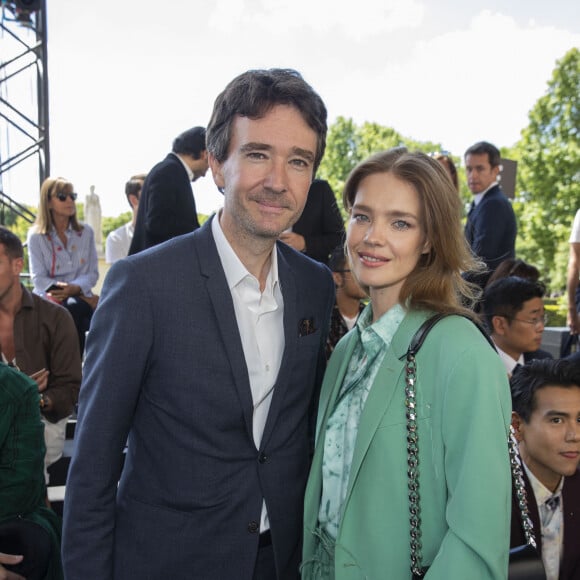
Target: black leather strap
column 421, row 334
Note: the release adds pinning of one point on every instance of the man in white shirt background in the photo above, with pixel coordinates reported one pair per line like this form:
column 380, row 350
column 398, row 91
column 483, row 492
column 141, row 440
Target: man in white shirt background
column 119, row 240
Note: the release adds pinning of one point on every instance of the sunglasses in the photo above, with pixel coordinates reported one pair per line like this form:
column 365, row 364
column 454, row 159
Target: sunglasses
column 62, row 196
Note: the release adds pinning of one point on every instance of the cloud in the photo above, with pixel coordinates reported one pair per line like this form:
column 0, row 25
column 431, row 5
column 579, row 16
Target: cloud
column 340, row 17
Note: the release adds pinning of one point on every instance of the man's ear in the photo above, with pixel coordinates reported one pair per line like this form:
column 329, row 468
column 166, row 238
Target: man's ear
column 499, row 324
column 216, row 170
column 518, row 426
column 338, row 281
column 17, row 266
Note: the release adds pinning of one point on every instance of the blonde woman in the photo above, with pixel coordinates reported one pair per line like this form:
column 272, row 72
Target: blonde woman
column 62, row 253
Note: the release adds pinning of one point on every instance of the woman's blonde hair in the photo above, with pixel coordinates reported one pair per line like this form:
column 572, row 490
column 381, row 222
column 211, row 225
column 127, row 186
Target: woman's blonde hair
column 436, row 283
column 49, row 188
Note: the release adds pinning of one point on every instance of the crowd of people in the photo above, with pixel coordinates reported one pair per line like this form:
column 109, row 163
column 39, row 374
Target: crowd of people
column 273, row 396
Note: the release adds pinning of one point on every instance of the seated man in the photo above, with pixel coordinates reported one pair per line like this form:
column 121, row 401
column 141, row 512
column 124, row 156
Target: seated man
column 514, row 312
column 28, row 528
column 546, row 421
column 39, row 338
column 348, row 303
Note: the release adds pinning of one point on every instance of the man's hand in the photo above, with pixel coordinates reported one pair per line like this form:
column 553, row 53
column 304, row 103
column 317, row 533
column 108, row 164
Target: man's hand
column 294, row 240
column 9, row 559
column 41, row 379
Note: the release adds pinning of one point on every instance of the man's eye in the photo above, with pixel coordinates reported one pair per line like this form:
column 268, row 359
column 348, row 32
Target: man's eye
column 256, row 155
column 360, row 217
column 301, row 163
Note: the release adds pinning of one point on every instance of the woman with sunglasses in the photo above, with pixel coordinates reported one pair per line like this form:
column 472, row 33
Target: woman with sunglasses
column 62, row 252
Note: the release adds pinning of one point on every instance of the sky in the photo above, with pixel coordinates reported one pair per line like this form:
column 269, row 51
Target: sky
column 125, row 78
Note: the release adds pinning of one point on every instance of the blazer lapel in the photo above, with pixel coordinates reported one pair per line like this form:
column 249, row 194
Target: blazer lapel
column 289, row 295
column 389, row 378
column 223, row 309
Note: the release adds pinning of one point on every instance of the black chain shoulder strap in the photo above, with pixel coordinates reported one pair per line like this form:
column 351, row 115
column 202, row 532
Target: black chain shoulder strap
column 413, row 451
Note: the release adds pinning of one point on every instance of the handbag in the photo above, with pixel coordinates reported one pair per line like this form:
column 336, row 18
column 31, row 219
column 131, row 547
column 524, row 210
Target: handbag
column 525, row 563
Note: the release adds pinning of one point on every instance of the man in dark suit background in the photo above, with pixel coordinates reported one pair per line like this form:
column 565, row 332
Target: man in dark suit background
column 207, row 352
column 491, row 223
column 515, row 317
column 546, row 421
column 320, row 227
column 166, row 204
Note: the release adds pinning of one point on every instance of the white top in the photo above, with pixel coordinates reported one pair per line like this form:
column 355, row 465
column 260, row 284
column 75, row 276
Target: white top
column 118, row 243
column 575, row 235
column 552, row 523
column 260, row 319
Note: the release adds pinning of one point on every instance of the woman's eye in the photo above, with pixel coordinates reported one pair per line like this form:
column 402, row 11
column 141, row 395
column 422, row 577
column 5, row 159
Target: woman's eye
column 401, row 225
column 359, row 217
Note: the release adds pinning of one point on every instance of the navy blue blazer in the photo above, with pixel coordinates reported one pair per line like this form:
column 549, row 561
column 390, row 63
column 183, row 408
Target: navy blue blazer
column 165, row 367
column 166, row 206
column 570, row 564
column 491, row 228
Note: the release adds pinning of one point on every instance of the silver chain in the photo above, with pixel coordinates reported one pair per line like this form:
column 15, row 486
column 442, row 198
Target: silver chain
column 413, row 466
column 413, row 473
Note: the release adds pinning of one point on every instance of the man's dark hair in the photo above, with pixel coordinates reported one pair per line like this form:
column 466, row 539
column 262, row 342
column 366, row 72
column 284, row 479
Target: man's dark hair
column 252, row 94
column 529, row 378
column 506, row 297
column 190, row 142
column 337, row 261
column 134, row 186
column 12, row 244
column 483, row 147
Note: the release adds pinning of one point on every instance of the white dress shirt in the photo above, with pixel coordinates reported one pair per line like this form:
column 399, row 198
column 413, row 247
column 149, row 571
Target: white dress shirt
column 260, row 320
column 508, row 361
column 552, row 524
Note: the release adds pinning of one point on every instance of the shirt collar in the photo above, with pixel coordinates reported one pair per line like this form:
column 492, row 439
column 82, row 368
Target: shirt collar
column 541, row 492
column 384, row 328
column 234, row 270
column 508, row 361
column 186, row 166
column 477, row 197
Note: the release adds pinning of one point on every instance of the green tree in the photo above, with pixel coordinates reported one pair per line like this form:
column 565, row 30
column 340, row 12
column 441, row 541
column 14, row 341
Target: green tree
column 347, row 144
column 548, row 178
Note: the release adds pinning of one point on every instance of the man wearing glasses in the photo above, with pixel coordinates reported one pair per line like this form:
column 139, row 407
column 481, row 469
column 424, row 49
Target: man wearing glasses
column 514, row 313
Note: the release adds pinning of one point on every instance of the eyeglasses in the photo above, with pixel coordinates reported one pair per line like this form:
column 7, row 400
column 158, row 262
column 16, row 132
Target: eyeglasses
column 537, row 322
column 62, row 196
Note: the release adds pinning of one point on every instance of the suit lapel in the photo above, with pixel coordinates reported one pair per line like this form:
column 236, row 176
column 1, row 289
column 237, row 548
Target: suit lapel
column 289, row 295
column 223, row 309
column 389, row 378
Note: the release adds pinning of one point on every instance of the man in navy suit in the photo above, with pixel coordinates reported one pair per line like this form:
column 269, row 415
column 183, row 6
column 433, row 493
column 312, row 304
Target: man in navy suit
column 166, row 204
column 491, row 223
column 546, row 421
column 207, row 352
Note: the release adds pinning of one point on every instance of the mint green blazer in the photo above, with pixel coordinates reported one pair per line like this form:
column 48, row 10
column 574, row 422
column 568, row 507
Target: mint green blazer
column 464, row 410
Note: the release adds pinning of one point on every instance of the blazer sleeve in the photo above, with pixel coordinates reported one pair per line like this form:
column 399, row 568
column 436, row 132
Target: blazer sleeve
column 169, row 203
column 475, row 420
column 120, row 338
column 493, row 219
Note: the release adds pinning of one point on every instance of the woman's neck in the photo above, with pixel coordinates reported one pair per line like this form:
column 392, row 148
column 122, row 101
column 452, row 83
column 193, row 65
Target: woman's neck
column 60, row 223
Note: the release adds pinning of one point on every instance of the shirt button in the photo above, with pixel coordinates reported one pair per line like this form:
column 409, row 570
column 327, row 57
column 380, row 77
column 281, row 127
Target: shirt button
column 262, row 458
column 253, row 527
